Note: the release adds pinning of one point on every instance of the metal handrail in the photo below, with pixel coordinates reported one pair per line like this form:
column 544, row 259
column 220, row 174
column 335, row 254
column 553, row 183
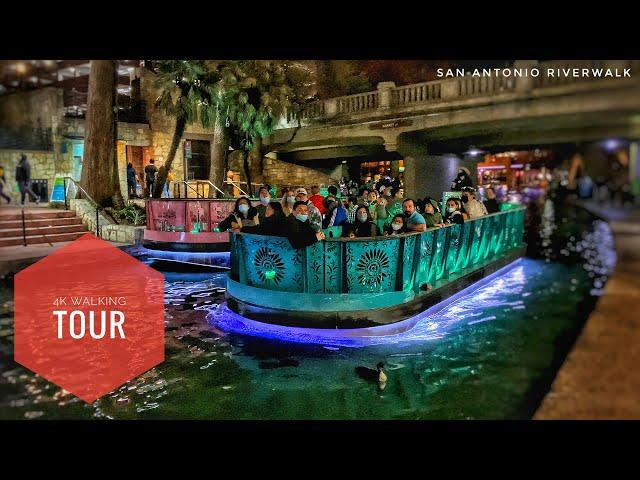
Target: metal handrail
column 186, row 183
column 88, row 197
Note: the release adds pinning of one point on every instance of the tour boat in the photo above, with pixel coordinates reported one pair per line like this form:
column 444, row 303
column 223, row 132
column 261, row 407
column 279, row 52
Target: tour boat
column 187, row 224
column 367, row 285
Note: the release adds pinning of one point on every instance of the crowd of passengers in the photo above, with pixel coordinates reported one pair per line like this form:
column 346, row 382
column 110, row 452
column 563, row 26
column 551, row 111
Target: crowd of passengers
column 302, row 217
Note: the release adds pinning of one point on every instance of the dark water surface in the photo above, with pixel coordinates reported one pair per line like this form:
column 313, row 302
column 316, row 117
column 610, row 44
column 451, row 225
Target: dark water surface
column 490, row 355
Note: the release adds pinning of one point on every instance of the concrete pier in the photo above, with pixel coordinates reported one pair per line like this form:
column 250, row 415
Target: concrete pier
column 600, row 378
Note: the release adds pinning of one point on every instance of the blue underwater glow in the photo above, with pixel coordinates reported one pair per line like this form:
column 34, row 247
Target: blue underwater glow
column 430, row 324
column 220, row 259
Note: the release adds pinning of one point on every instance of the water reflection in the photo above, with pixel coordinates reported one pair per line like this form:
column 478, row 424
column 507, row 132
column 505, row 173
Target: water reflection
column 476, row 358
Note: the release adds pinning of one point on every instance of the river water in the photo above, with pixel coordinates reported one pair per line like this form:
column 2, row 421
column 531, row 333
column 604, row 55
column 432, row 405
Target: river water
column 492, row 354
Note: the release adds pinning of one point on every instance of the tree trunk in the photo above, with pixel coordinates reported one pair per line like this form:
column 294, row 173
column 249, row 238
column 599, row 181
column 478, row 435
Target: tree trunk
column 218, row 157
column 100, row 170
column 161, row 177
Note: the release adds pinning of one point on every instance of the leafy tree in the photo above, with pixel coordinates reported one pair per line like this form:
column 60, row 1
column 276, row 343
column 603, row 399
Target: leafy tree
column 247, row 96
column 185, row 94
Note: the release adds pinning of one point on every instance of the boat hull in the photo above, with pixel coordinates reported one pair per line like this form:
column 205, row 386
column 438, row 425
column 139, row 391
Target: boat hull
column 394, row 318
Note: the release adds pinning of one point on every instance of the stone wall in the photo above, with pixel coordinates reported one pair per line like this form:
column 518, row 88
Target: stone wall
column 277, row 172
column 43, row 165
column 108, row 230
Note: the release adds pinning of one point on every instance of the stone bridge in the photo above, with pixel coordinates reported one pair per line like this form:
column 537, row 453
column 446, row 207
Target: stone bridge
column 425, row 123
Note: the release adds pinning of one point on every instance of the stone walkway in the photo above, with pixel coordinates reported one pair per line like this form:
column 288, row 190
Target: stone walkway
column 600, row 378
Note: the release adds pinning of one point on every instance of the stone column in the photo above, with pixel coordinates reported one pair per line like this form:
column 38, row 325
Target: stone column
column 385, row 99
column 449, row 89
column 330, row 108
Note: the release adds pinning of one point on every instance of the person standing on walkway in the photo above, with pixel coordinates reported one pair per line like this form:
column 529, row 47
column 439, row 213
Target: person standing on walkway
column 23, row 177
column 131, row 180
column 166, row 192
column 3, row 183
column 150, row 175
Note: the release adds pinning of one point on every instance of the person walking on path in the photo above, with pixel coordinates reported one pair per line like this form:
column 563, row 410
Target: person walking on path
column 150, row 175
column 23, row 177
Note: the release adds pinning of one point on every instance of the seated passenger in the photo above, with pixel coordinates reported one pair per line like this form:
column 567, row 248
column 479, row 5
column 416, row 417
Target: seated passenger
column 273, row 223
column 315, row 217
column 352, row 205
column 335, row 214
column 431, row 216
column 288, row 199
column 377, row 207
column 453, row 214
column 414, row 221
column 298, row 230
column 397, row 226
column 243, row 215
column 473, row 207
column 491, row 204
column 265, row 198
column 363, row 225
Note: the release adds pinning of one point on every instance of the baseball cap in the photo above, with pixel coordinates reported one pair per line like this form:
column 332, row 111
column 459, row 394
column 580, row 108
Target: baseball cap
column 302, row 191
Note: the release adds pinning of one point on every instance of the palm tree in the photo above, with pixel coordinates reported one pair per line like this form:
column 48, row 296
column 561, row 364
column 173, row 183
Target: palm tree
column 253, row 95
column 245, row 97
column 185, row 95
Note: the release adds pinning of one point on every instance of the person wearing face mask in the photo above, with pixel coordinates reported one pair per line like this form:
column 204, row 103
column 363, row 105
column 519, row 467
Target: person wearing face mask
column 298, row 229
column 315, row 217
column 335, row 214
column 273, row 223
column 462, row 180
column 397, row 226
column 414, row 221
column 473, row 207
column 288, row 199
column 243, row 215
column 265, row 198
column 453, row 214
column 431, row 216
column 363, row 225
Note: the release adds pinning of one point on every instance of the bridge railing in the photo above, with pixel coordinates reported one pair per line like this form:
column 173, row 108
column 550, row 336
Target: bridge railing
column 438, row 92
column 407, row 263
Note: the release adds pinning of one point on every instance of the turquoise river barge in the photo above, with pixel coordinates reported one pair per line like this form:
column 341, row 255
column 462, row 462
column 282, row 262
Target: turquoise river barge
column 367, row 284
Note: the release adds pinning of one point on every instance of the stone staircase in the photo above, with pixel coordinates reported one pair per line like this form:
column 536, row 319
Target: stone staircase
column 42, row 225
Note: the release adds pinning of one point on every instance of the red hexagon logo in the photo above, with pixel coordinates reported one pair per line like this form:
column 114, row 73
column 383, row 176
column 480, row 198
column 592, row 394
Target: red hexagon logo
column 89, row 317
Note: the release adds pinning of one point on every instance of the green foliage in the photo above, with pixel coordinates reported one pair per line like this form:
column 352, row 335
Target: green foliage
column 132, row 214
column 250, row 96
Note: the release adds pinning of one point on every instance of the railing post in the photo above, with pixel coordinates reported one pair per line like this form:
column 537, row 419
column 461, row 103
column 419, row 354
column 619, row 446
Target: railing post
column 97, row 223
column 385, row 90
column 64, row 182
column 24, row 228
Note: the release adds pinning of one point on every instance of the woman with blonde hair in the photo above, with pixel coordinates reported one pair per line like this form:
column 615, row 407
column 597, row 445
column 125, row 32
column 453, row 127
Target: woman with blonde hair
column 288, row 199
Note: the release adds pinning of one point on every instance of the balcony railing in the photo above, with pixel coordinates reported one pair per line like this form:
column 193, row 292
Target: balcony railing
column 451, row 90
column 26, row 138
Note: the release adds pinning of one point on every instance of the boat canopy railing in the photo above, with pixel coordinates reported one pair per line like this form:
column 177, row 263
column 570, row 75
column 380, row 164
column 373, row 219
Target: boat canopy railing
column 198, row 183
column 410, row 262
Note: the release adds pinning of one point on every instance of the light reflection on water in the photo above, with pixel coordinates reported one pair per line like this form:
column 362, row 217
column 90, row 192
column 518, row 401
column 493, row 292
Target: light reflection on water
column 476, row 358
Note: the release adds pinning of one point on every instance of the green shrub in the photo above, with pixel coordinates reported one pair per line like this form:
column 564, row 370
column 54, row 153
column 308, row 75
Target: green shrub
column 132, row 214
